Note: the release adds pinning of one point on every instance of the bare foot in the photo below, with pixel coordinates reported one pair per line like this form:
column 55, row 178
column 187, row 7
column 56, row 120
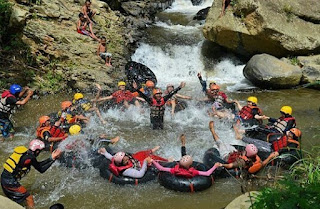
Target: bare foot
column 183, row 139
column 155, row 149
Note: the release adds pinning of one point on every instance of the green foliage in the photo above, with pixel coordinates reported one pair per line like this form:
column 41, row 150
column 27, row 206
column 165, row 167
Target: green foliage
column 234, row 2
column 300, row 189
column 51, row 81
column 289, row 11
column 294, row 60
column 5, row 13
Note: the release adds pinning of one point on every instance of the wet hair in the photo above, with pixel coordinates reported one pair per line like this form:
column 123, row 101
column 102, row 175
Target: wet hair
column 81, row 14
column 57, row 206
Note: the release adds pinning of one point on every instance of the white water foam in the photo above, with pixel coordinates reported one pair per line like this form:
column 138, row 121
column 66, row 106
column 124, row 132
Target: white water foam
column 186, row 7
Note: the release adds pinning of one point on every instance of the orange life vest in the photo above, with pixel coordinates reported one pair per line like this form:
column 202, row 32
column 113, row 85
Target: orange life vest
column 256, row 165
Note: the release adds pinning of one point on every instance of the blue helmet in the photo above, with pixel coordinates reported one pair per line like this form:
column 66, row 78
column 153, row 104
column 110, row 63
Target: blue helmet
column 15, row 88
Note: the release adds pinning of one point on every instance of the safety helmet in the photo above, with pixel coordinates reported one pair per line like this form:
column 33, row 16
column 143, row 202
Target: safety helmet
column 251, row 150
column 36, row 144
column 43, row 119
column 149, row 84
column 286, row 110
column 118, row 157
column 65, row 104
column 74, row 129
column 253, row 100
column 170, row 85
column 295, row 132
column 212, row 82
column 214, row 87
column 157, row 91
column 121, row 83
column 15, row 88
column 186, row 161
column 77, row 96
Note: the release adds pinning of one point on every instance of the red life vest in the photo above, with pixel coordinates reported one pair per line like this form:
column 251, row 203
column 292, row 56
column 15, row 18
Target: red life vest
column 246, row 112
column 157, row 108
column 186, row 173
column 53, row 130
column 283, row 142
column 117, row 170
column 256, row 164
column 4, row 107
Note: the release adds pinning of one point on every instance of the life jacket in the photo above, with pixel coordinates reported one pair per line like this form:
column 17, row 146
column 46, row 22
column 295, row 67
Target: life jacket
column 283, row 142
column 13, row 165
column 246, row 112
column 216, row 98
column 117, row 170
column 83, row 103
column 281, row 124
column 4, row 107
column 157, row 108
column 146, row 91
column 251, row 166
column 122, row 95
column 70, row 119
column 41, row 130
column 53, row 130
column 186, row 173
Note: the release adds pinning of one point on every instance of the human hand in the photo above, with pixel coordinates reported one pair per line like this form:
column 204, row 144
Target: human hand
column 199, row 75
column 182, row 84
column 149, row 160
column 134, row 85
column 30, row 92
column 98, row 86
column 102, row 150
column 218, row 165
column 56, row 154
column 115, row 139
column 183, row 139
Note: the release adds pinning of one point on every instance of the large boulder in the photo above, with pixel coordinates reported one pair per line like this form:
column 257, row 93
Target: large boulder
column 267, row 71
column 277, row 27
column 196, row 2
column 202, row 14
column 243, row 201
column 310, row 70
column 9, row 204
column 18, row 18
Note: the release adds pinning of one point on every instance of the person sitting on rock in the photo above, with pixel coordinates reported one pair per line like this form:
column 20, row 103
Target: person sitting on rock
column 184, row 167
column 122, row 97
column 87, row 11
column 173, row 102
column 231, row 158
column 102, row 52
column 82, row 25
column 10, row 99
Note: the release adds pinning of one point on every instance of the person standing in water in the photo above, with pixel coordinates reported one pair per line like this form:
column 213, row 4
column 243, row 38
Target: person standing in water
column 157, row 104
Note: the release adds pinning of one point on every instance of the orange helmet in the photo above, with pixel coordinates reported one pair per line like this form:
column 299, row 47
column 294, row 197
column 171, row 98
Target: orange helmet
column 295, row 132
column 65, row 104
column 157, row 91
column 149, row 84
column 214, row 87
column 43, row 119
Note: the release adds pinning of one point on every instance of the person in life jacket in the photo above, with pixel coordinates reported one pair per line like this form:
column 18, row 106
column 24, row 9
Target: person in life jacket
column 248, row 159
column 8, row 101
column 68, row 115
column 184, row 167
column 83, row 106
column 287, row 144
column 18, row 165
column 204, row 83
column 157, row 105
column 122, row 97
column 51, row 135
column 174, row 102
column 148, row 90
column 134, row 166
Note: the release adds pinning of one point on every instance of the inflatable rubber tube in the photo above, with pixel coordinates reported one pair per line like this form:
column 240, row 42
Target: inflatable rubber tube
column 139, row 73
column 181, row 184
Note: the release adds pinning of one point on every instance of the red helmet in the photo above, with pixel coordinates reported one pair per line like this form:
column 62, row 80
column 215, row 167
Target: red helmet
column 66, row 104
column 251, row 150
column 118, row 157
column 43, row 119
column 186, row 161
column 149, row 84
column 36, row 144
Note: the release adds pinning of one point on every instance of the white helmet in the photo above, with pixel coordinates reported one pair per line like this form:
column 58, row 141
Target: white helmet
column 36, row 144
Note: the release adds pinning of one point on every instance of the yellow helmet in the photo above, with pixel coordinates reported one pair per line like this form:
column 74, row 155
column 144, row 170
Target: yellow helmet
column 77, row 96
column 121, row 83
column 74, row 129
column 253, row 100
column 286, row 110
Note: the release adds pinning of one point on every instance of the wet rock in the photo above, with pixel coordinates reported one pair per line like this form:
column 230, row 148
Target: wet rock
column 266, row 71
column 279, row 28
column 9, row 204
column 196, row 2
column 310, row 70
column 243, row 201
column 18, row 18
column 202, row 14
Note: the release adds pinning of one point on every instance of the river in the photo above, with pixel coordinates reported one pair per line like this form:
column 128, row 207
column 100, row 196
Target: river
column 175, row 50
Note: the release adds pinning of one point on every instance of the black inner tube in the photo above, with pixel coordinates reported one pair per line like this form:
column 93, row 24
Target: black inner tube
column 139, row 73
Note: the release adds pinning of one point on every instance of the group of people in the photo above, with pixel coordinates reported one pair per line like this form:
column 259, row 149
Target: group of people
column 86, row 21
column 76, row 113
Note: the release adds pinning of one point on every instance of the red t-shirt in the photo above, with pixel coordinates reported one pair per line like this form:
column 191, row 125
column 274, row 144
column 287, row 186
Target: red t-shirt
column 119, row 96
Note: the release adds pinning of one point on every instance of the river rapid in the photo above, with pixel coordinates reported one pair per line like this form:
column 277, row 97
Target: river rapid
column 175, row 50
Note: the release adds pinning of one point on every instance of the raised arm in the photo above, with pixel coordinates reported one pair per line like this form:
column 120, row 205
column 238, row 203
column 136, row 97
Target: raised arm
column 168, row 96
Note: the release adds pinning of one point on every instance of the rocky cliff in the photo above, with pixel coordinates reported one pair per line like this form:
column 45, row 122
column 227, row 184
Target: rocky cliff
column 62, row 58
column 276, row 27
